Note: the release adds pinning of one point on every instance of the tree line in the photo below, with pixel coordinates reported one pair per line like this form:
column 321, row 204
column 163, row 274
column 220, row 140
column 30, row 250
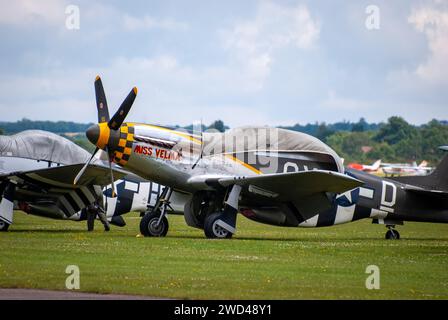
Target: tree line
column 393, row 141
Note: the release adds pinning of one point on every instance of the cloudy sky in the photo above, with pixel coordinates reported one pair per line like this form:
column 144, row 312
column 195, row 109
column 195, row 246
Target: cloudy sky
column 245, row 62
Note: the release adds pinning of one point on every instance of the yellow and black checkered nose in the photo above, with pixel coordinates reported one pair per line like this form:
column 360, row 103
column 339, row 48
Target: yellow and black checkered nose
column 118, row 142
column 123, row 150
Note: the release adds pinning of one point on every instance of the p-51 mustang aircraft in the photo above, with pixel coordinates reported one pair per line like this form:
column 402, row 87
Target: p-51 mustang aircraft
column 36, row 174
column 270, row 175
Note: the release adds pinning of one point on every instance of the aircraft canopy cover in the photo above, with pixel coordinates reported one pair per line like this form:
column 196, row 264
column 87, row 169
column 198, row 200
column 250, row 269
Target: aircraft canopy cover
column 266, row 138
column 42, row 145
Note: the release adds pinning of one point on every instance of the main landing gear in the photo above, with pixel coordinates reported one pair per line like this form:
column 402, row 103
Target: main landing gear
column 392, row 234
column 222, row 224
column 3, row 226
column 213, row 229
column 154, row 223
column 218, row 219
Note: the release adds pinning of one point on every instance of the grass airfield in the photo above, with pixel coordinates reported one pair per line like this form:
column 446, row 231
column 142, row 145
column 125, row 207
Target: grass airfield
column 260, row 262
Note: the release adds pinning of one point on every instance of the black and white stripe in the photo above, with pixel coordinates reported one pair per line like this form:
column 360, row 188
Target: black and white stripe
column 7, row 202
column 75, row 200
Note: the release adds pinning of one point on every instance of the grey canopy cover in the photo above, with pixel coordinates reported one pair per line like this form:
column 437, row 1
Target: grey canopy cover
column 266, row 139
column 42, row 145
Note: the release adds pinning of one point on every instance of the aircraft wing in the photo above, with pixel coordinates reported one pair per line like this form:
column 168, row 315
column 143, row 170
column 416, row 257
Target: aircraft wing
column 288, row 186
column 63, row 176
column 51, row 189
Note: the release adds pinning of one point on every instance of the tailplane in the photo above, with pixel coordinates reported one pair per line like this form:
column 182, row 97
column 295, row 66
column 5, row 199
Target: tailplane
column 437, row 180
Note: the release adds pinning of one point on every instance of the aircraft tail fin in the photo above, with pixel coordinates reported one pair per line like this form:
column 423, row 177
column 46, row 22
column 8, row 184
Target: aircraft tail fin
column 437, row 180
column 376, row 165
column 423, row 164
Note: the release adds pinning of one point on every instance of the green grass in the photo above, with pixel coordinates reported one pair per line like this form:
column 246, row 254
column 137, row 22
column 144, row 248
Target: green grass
column 261, row 262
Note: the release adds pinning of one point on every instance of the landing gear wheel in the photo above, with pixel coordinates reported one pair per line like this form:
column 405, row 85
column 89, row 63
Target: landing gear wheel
column 4, row 226
column 212, row 230
column 149, row 227
column 392, row 234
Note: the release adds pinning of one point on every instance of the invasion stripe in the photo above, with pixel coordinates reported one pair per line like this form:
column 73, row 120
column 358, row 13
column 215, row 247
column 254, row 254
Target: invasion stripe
column 361, row 213
column 327, row 218
column 78, row 200
column 88, row 193
column 82, row 196
column 72, row 202
column 69, row 210
column 296, row 212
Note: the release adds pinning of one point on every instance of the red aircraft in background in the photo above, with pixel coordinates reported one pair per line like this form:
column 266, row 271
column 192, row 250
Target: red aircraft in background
column 366, row 168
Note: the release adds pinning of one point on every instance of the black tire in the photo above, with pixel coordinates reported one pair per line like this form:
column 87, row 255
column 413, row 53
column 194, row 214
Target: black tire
column 4, row 226
column 392, row 235
column 148, row 225
column 212, row 230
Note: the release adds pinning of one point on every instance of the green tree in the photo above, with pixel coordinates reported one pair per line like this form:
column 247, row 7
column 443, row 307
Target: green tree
column 433, row 135
column 395, row 130
column 217, row 125
column 360, row 126
column 323, row 132
column 381, row 151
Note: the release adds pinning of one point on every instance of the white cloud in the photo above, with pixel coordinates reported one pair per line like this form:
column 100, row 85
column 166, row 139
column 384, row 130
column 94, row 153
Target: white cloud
column 434, row 24
column 133, row 23
column 28, row 13
column 168, row 93
column 253, row 43
column 336, row 102
column 255, row 64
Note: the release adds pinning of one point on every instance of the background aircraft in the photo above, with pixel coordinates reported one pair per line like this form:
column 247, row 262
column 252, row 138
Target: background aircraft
column 36, row 173
column 396, row 169
column 366, row 168
column 270, row 175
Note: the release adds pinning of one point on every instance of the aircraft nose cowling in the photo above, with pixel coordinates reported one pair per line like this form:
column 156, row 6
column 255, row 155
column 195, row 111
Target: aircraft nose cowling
column 93, row 134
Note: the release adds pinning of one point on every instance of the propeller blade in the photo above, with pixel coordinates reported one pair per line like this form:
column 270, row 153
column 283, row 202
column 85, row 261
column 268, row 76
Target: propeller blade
column 101, row 103
column 101, row 203
column 201, row 151
column 118, row 118
column 106, row 205
column 81, row 172
column 111, row 173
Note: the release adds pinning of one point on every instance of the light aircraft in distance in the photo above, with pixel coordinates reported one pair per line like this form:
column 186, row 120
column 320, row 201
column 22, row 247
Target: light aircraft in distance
column 270, row 175
column 35, row 171
column 364, row 167
column 397, row 169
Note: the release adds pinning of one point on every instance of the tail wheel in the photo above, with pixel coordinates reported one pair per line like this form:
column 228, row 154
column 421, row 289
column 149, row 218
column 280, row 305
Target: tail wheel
column 4, row 226
column 212, row 230
column 149, row 226
column 392, row 234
